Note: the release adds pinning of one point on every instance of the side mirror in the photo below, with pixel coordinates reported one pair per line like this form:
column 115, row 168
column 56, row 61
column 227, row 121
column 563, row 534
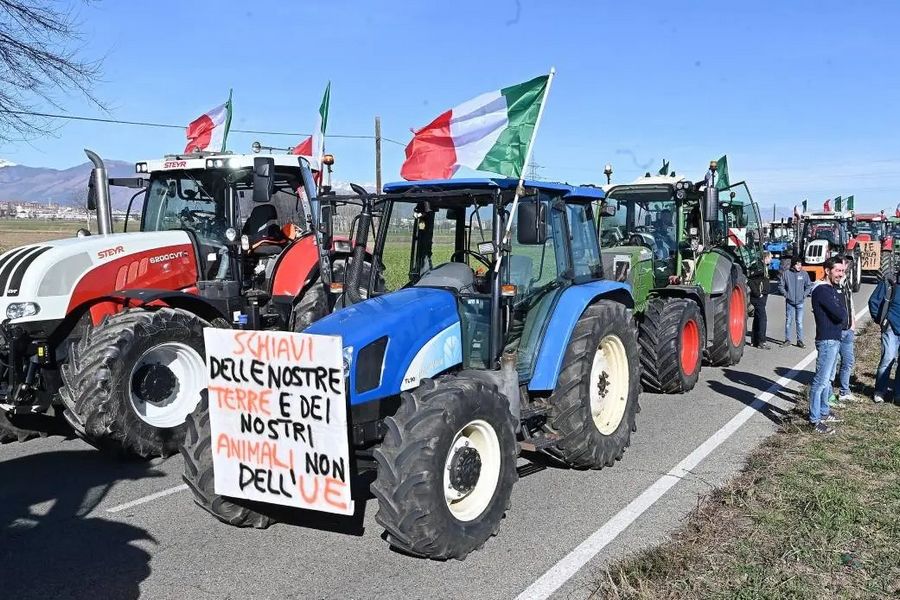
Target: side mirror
column 711, row 204
column 648, row 221
column 263, row 178
column 608, row 210
column 531, row 223
column 92, row 192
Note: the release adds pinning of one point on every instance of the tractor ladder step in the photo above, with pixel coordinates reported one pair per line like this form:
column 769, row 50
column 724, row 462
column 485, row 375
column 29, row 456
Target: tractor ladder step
column 539, row 442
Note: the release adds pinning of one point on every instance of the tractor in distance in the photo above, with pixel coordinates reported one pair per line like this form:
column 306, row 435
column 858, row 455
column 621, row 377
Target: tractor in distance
column 687, row 257
column 106, row 329
column 450, row 375
column 828, row 234
column 780, row 244
column 871, row 232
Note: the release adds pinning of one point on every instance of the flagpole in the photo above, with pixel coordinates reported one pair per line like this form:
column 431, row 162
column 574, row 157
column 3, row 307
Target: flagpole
column 520, row 187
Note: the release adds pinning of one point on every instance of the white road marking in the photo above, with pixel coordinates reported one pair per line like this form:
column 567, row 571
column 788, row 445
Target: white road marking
column 562, row 571
column 148, row 498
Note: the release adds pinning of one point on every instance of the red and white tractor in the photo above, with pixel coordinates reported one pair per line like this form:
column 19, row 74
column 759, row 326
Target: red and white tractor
column 107, row 329
column 876, row 245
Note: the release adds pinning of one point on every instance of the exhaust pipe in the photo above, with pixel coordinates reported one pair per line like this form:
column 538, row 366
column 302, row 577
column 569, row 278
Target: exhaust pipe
column 98, row 192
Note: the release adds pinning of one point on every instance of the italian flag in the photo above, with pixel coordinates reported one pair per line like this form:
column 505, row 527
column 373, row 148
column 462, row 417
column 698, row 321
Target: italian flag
column 314, row 146
column 210, row 130
column 488, row 133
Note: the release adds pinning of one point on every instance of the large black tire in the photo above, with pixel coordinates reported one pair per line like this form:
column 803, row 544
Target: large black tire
column 21, row 428
column 97, row 380
column 729, row 337
column 606, row 327
column 313, row 304
column 412, row 466
column 672, row 339
column 887, row 265
column 199, row 477
column 856, row 275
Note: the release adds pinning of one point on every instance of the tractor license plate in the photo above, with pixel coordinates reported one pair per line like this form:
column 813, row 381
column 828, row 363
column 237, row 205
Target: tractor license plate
column 278, row 415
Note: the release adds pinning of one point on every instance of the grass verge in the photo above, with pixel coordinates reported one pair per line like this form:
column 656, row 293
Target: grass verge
column 809, row 517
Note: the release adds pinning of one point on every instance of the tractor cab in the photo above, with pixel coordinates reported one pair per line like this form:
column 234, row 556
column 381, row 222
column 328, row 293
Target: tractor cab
column 825, row 235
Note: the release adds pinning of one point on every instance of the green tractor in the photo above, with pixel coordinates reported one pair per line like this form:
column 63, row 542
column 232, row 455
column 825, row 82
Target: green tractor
column 687, row 255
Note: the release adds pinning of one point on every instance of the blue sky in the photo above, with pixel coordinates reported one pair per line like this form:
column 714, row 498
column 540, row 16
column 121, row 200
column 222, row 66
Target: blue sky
column 801, row 95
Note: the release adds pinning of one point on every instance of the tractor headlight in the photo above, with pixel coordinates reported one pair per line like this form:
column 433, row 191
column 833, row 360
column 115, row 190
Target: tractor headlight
column 348, row 360
column 141, row 167
column 19, row 310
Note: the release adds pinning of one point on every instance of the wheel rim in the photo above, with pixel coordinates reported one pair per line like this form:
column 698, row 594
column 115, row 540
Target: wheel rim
column 472, row 470
column 736, row 310
column 690, row 347
column 165, row 384
column 609, row 384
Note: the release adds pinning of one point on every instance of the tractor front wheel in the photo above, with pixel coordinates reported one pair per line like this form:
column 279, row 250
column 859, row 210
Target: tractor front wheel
column 671, row 335
column 132, row 381
column 199, row 476
column 729, row 323
column 446, row 467
column 887, row 266
column 596, row 395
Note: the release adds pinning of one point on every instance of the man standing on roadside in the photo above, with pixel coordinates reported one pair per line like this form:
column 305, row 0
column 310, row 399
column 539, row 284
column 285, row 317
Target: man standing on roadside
column 830, row 313
column 884, row 307
column 759, row 295
column 848, row 337
column 795, row 285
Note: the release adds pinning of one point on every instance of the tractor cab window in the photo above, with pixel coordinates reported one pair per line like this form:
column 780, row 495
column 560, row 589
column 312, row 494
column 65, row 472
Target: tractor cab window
column 188, row 201
column 645, row 216
column 871, row 228
column 532, row 268
column 585, row 248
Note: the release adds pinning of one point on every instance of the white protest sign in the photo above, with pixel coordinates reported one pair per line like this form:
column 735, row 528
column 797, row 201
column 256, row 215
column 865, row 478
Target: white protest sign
column 278, row 414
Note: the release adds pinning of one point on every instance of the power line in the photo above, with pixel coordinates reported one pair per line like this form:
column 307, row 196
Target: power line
column 170, row 126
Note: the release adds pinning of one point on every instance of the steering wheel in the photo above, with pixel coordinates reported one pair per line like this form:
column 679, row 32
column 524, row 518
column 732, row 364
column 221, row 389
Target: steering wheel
column 480, row 257
column 639, row 240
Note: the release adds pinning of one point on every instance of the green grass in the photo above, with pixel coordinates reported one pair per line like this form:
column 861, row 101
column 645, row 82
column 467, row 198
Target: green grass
column 809, row 517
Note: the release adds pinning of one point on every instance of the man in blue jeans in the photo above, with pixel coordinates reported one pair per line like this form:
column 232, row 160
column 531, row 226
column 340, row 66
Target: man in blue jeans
column 884, row 307
column 846, row 353
column 830, row 314
column 794, row 285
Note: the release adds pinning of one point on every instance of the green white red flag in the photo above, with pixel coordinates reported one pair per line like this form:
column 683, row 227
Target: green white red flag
column 209, row 131
column 313, row 147
column 489, row 133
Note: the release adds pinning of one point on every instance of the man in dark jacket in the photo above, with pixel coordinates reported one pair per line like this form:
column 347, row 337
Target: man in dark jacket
column 831, row 317
column 884, row 307
column 795, row 285
column 759, row 295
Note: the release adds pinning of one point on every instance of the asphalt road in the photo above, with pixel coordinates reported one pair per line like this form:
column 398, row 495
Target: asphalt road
column 74, row 524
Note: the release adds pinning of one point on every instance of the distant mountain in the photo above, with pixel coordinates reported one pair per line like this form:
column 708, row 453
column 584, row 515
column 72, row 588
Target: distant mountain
column 19, row 183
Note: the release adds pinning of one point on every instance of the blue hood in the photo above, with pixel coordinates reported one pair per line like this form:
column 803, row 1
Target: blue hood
column 409, row 318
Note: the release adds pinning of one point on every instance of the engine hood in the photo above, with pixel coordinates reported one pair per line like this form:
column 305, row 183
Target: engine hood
column 414, row 320
column 51, row 273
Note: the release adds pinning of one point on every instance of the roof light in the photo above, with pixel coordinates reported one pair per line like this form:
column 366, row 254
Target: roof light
column 141, row 167
column 256, row 147
column 328, row 159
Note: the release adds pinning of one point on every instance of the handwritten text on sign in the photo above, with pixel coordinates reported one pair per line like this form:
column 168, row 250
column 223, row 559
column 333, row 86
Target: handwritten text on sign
column 278, row 414
column 870, row 256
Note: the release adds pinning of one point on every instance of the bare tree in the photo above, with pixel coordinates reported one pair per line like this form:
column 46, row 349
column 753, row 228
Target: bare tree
column 39, row 59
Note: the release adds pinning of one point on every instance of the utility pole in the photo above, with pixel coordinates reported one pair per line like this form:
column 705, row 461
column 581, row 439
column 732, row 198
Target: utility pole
column 533, row 167
column 377, row 155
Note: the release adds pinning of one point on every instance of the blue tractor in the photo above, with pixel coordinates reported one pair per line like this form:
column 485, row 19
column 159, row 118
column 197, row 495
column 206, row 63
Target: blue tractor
column 780, row 244
column 502, row 340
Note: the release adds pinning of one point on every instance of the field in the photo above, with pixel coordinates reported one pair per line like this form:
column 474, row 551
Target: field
column 810, row 517
column 18, row 232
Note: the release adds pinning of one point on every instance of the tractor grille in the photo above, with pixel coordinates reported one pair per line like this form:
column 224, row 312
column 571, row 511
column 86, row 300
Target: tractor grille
column 13, row 265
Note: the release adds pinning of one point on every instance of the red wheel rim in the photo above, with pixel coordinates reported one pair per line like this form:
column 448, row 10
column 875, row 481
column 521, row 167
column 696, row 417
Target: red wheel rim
column 737, row 326
column 690, row 347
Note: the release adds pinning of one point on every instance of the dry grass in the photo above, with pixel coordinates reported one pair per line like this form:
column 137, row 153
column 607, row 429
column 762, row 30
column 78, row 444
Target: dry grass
column 809, row 517
column 15, row 232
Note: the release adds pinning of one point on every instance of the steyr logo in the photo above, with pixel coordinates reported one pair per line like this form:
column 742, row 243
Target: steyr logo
column 174, row 164
column 111, row 252
column 167, row 257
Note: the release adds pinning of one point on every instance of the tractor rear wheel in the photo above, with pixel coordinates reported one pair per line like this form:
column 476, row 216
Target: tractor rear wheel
column 313, row 304
column 671, row 335
column 887, row 265
column 199, row 477
column 856, row 278
column 596, row 395
column 132, row 381
column 446, row 467
column 729, row 322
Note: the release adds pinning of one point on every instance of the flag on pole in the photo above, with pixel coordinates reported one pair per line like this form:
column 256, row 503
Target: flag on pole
column 796, row 212
column 209, row 131
column 489, row 133
column 849, row 202
column 314, row 146
column 827, row 206
column 665, row 168
column 838, row 203
column 804, row 206
column 722, row 169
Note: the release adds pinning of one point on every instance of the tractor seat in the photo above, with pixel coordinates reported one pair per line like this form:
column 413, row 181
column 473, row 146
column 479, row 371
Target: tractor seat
column 262, row 229
column 458, row 276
